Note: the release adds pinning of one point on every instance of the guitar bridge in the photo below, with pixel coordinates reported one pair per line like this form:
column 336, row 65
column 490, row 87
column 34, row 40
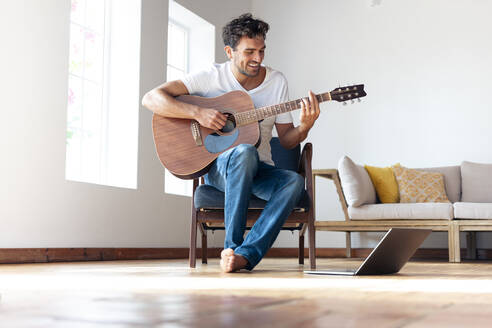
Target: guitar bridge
column 195, row 132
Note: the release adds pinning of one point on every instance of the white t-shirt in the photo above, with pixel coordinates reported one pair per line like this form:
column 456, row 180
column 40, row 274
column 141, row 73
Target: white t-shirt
column 218, row 79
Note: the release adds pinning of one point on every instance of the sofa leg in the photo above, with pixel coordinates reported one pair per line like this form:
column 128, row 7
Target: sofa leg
column 454, row 242
column 348, row 244
column 471, row 245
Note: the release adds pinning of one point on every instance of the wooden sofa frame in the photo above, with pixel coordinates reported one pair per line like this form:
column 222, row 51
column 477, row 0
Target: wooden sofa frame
column 452, row 227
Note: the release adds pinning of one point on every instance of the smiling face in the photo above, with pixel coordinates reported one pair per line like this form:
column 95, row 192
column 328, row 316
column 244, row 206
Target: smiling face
column 247, row 56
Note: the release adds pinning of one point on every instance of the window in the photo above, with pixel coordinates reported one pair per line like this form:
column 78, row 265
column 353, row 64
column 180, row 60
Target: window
column 103, row 92
column 177, row 51
column 190, row 48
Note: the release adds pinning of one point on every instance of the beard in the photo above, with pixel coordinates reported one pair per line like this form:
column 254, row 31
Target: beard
column 245, row 71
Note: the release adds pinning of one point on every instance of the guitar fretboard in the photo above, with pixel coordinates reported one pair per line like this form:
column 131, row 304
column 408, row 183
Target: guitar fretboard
column 258, row 114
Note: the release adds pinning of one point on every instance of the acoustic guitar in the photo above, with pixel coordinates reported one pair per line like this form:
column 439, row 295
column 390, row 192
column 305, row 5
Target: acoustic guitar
column 188, row 150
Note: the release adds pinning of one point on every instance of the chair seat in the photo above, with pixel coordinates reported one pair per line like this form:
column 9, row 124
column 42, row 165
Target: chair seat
column 210, row 198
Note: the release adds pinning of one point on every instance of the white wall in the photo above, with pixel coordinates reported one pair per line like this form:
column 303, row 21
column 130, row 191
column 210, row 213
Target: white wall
column 426, row 67
column 38, row 207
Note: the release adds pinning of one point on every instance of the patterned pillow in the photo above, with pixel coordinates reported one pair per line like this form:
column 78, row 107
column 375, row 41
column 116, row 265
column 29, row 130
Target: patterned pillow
column 419, row 186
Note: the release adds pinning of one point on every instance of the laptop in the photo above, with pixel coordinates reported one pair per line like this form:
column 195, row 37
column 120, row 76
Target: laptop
column 389, row 256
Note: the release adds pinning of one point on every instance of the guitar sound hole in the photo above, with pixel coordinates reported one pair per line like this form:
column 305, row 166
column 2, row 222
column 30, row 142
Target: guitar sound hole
column 230, row 124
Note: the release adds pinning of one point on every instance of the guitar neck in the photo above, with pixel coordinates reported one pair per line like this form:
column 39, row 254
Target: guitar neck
column 258, row 114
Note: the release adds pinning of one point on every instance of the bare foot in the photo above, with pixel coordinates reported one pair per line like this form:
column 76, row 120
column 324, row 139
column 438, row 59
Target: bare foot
column 230, row 262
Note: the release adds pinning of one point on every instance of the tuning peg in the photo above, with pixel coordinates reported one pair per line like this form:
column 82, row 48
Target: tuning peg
column 352, row 101
column 344, row 103
column 358, row 100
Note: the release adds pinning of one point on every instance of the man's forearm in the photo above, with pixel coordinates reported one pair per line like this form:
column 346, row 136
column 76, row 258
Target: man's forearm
column 162, row 103
column 294, row 136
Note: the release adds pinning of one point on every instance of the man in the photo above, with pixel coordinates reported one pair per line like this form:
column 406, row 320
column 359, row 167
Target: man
column 244, row 170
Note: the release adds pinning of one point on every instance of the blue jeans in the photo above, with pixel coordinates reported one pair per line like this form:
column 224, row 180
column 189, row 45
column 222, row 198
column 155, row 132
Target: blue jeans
column 239, row 173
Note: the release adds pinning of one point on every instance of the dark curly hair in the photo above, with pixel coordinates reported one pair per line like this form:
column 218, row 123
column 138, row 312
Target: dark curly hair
column 244, row 25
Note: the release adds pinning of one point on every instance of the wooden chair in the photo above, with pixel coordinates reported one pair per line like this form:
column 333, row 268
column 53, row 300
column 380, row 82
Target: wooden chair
column 208, row 204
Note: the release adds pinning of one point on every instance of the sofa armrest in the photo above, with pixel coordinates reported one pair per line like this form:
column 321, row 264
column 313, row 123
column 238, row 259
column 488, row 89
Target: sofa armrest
column 332, row 174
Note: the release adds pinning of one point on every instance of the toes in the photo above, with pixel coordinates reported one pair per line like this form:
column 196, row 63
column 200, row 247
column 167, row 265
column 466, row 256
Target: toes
column 231, row 263
column 227, row 252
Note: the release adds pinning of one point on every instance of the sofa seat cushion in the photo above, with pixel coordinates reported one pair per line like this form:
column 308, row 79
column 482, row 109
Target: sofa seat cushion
column 412, row 211
column 464, row 210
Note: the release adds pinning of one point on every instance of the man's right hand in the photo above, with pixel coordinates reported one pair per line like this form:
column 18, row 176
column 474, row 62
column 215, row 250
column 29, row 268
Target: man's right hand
column 161, row 100
column 211, row 118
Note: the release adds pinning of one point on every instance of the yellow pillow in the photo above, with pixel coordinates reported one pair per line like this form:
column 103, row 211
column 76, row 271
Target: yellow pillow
column 385, row 183
column 419, row 186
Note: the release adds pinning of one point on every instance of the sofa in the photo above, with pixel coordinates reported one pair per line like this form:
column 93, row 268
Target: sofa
column 467, row 204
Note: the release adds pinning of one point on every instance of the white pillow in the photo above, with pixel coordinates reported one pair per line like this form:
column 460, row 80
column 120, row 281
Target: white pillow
column 476, row 182
column 356, row 183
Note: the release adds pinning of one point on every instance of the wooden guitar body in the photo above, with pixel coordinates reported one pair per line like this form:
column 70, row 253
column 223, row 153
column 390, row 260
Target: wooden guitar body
column 188, row 154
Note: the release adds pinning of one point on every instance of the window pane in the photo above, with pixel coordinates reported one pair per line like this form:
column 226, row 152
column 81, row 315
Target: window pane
column 74, row 127
column 95, row 15
column 74, row 112
column 91, row 132
column 91, row 120
column 94, row 59
column 76, row 50
column 176, row 51
column 177, row 186
column 174, row 74
column 77, row 13
column 73, row 158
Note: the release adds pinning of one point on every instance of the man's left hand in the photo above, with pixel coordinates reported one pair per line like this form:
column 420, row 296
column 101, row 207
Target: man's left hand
column 309, row 112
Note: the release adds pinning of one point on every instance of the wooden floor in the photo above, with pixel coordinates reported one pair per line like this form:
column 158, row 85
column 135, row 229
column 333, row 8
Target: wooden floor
column 277, row 294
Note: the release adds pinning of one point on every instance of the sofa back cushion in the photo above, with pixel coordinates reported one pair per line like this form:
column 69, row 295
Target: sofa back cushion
column 452, row 180
column 356, row 183
column 476, row 182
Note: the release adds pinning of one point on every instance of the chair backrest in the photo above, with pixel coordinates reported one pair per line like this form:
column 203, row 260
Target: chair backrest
column 285, row 158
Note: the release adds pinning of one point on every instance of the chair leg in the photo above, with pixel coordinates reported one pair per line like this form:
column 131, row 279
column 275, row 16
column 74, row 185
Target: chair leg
column 193, row 241
column 301, row 248
column 204, row 246
column 312, row 244
column 348, row 244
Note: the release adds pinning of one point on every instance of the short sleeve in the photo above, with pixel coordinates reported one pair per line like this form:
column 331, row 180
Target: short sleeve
column 284, row 118
column 198, row 83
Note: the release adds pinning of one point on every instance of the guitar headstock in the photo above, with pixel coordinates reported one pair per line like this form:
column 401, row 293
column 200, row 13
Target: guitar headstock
column 348, row 92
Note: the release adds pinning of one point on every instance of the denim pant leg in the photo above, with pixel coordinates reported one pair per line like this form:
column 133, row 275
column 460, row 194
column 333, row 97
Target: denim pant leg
column 233, row 173
column 282, row 189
